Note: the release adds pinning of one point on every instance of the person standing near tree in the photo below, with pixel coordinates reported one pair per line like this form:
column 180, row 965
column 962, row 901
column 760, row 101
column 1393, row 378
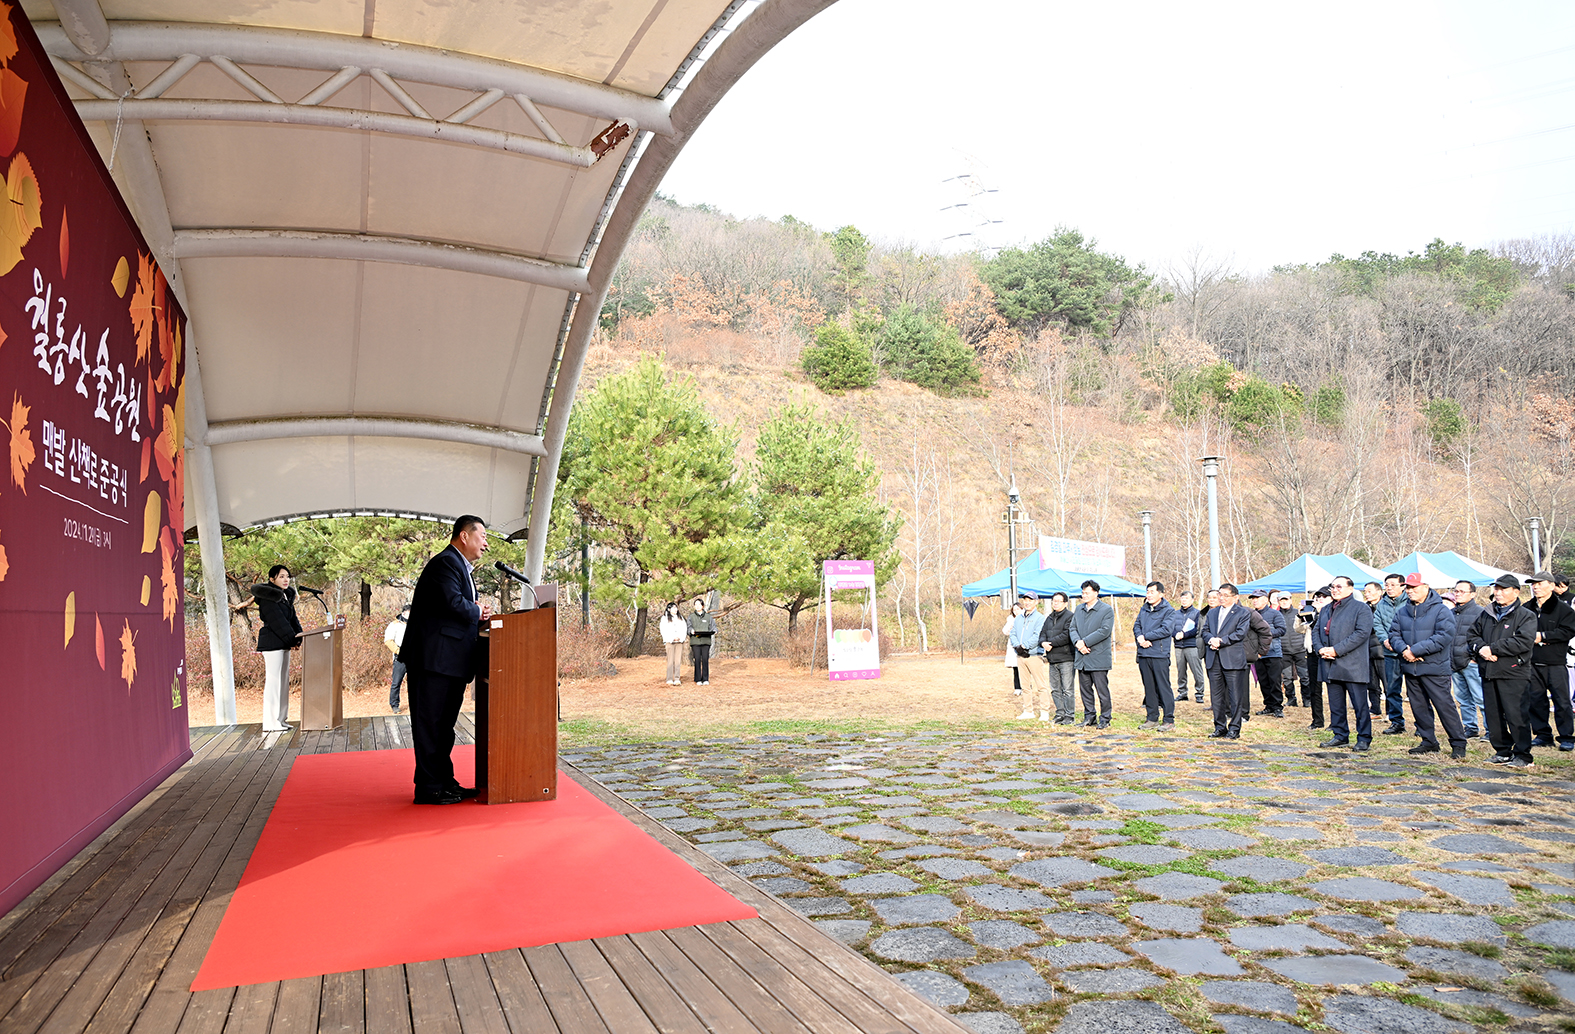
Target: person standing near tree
column 1155, row 623
column 280, row 633
column 1187, row 647
column 1466, row 675
column 1550, row 680
column 1423, row 633
column 1055, row 635
column 702, row 629
column 1342, row 634
column 675, row 631
column 1093, row 625
column 1504, row 636
column 393, row 638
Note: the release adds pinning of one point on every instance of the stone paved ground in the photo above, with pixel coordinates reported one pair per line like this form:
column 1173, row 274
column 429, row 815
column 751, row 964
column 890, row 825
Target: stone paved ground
column 1110, row 882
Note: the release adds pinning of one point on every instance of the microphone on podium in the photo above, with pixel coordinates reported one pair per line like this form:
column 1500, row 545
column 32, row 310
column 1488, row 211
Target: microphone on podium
column 314, row 592
column 516, row 575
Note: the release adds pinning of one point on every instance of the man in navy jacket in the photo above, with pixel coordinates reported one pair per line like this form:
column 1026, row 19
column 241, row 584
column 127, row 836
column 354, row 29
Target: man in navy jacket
column 1422, row 633
column 439, row 653
column 1225, row 659
column 1341, row 632
column 1155, row 623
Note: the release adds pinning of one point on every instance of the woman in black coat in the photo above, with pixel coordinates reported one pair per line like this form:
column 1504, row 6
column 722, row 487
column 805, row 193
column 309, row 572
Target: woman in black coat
column 281, row 633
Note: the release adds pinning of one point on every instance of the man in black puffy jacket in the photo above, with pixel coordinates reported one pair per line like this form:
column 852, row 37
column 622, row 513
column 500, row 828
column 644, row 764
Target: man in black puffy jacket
column 1502, row 642
column 1550, row 679
column 1055, row 636
column 1422, row 634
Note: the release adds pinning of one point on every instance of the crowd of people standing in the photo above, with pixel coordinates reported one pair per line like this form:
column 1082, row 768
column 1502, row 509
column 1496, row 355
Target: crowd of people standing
column 1500, row 669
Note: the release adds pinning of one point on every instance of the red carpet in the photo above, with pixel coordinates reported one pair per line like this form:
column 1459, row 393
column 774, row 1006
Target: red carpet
column 348, row 874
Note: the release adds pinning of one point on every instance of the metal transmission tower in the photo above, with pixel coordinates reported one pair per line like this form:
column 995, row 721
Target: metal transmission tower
column 970, row 208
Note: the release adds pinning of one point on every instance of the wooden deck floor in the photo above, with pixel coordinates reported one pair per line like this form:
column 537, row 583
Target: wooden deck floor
column 111, row 943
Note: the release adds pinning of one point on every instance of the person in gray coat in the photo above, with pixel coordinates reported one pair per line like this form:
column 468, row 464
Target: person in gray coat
column 1093, row 623
column 1341, row 633
column 1422, row 632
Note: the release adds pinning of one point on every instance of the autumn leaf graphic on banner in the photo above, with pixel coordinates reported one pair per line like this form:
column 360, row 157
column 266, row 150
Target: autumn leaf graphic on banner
column 144, row 306
column 165, row 446
column 22, row 216
column 71, row 618
column 167, row 578
column 150, row 521
column 8, row 45
column 128, row 655
column 122, row 278
column 13, row 88
column 5, row 565
column 21, row 443
column 98, row 641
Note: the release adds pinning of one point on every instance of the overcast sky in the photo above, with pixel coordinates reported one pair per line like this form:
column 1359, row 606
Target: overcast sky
column 1265, row 133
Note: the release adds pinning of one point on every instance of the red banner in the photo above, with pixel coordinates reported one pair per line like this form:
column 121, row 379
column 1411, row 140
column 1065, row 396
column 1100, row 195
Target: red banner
column 91, row 485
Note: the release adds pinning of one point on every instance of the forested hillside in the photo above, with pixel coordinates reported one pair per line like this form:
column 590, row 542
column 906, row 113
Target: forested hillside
column 1372, row 405
column 764, row 395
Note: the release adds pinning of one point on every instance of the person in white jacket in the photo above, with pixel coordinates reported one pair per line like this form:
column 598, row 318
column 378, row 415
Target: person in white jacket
column 675, row 632
column 1011, row 654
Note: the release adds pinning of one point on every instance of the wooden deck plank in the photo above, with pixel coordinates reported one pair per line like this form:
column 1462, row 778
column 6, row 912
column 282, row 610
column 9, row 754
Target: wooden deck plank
column 570, row 1006
column 858, row 971
column 387, row 1001
column 613, row 1002
column 50, row 968
column 299, row 1003
column 660, row 1002
column 474, row 997
column 123, row 970
column 754, row 1001
column 343, row 1006
column 252, row 1010
column 852, row 1001
column 793, row 993
column 431, row 999
column 206, row 1012
column 521, row 999
column 713, row 1007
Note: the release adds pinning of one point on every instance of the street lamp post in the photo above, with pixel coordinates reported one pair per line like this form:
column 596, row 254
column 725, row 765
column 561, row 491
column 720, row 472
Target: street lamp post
column 1013, row 518
column 1148, row 545
column 1535, row 524
column 1211, row 471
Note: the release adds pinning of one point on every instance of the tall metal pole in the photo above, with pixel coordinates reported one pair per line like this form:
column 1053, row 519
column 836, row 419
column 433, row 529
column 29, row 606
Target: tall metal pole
column 1211, row 470
column 1012, row 499
column 1535, row 523
column 585, row 573
column 1148, row 544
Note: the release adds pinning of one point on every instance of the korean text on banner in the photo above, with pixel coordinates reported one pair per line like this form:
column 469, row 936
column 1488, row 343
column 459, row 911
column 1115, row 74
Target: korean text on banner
column 1082, row 557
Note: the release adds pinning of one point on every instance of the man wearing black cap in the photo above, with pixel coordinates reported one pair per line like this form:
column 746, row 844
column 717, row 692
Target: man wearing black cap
column 1422, row 633
column 1550, row 679
column 1267, row 665
column 1502, row 641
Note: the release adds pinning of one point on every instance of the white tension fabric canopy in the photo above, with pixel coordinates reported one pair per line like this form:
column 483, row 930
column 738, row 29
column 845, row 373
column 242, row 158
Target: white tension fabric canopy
column 391, row 224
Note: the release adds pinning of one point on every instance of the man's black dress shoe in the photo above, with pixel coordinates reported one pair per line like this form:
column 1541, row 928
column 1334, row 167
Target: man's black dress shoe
column 1235, row 734
column 1394, row 730
column 441, row 797
column 1218, row 734
column 1423, row 748
column 1361, row 747
column 1542, row 741
column 467, row 792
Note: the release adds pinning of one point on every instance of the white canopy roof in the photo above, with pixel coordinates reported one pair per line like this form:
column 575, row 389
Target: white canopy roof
column 388, row 220
column 391, row 224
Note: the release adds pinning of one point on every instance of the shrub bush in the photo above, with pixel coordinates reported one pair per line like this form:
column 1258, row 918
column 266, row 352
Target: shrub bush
column 929, row 354
column 839, row 360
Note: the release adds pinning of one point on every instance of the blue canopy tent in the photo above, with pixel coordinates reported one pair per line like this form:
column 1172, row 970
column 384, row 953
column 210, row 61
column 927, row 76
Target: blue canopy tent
column 1447, row 568
column 1049, row 580
column 1311, row 571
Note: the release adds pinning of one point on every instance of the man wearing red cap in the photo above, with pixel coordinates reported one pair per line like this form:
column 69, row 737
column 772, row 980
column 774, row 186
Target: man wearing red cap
column 1422, row 634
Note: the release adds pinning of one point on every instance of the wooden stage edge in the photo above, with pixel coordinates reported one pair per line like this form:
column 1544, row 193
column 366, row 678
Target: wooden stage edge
column 110, row 943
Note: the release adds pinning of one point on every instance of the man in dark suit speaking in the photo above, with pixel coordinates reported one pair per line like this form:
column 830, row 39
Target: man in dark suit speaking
column 439, row 653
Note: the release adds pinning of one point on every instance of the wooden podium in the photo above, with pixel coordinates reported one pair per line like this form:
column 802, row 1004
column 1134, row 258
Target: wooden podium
column 322, row 675
column 517, row 706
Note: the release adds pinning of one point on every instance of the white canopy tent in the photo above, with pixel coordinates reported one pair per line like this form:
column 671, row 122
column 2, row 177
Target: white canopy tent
column 392, row 224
